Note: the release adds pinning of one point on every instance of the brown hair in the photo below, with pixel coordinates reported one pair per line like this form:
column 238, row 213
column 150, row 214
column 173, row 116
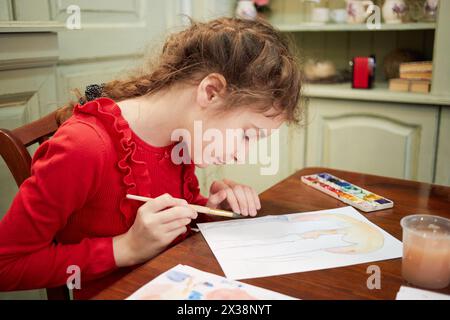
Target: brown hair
column 255, row 59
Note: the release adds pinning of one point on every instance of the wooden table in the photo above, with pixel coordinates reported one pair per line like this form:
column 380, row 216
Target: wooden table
column 291, row 195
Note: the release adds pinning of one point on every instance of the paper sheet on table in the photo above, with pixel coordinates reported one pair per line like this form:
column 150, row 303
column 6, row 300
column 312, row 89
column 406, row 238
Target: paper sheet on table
column 187, row 283
column 281, row 244
column 407, row 293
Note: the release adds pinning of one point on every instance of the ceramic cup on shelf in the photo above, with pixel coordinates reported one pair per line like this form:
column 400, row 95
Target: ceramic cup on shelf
column 357, row 10
column 246, row 9
column 430, row 9
column 338, row 15
column 394, row 11
column 320, row 15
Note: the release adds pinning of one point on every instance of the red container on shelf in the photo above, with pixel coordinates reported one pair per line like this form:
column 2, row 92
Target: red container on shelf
column 363, row 72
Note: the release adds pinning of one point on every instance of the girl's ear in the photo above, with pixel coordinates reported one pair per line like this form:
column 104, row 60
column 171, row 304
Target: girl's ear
column 211, row 90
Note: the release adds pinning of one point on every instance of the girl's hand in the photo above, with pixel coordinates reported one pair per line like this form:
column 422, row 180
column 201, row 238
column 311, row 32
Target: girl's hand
column 158, row 222
column 229, row 195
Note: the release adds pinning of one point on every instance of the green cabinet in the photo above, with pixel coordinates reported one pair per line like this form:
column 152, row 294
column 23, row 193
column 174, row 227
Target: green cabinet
column 388, row 139
column 443, row 149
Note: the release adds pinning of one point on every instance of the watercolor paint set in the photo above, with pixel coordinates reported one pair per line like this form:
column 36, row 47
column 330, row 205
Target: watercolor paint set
column 347, row 192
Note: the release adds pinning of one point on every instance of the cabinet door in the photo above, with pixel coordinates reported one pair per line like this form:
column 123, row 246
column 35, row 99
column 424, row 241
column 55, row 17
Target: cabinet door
column 114, row 38
column 443, row 154
column 109, row 29
column 6, row 12
column 386, row 139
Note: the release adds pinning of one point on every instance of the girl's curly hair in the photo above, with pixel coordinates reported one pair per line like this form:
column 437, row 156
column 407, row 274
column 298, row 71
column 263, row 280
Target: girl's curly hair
column 255, row 59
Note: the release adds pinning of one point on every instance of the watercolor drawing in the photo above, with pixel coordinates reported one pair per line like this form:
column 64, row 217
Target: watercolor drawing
column 187, row 283
column 299, row 242
column 360, row 236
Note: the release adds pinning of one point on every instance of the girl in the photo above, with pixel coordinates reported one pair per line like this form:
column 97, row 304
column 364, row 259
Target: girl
column 72, row 212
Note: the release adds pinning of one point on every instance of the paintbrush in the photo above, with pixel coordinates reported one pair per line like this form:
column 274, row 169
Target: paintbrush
column 201, row 209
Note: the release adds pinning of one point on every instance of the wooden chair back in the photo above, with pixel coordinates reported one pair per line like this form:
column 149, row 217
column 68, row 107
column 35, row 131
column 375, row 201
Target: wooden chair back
column 13, row 149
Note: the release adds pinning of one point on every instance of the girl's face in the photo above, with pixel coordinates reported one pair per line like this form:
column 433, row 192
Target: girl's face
column 214, row 136
column 227, row 137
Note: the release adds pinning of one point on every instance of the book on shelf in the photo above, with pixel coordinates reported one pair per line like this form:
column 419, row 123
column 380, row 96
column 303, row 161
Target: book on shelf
column 422, row 70
column 399, row 85
column 416, row 75
column 421, row 66
column 405, row 85
column 421, row 86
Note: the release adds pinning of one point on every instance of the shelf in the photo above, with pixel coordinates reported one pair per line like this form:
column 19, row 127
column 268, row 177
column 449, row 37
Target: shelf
column 380, row 92
column 316, row 27
column 30, row 26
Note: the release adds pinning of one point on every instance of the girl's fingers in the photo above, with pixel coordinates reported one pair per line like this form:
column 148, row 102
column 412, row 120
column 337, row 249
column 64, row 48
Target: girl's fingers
column 216, row 199
column 242, row 199
column 250, row 201
column 216, row 186
column 232, row 200
column 256, row 199
column 170, row 236
column 229, row 183
column 176, row 224
column 250, row 194
column 162, row 202
column 177, row 213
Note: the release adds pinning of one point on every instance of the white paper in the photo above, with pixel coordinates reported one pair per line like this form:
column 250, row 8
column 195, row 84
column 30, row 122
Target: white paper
column 282, row 244
column 408, row 293
column 187, row 283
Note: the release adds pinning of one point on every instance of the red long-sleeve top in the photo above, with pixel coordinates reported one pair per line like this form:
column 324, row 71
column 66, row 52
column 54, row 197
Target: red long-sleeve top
column 74, row 203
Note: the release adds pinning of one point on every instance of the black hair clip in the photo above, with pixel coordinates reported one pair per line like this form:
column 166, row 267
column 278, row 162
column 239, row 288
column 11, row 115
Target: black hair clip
column 92, row 92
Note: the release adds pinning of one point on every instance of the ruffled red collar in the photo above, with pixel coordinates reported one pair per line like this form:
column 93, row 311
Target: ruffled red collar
column 135, row 174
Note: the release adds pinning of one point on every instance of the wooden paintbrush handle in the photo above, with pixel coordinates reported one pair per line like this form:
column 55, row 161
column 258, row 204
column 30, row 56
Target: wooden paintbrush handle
column 201, row 209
